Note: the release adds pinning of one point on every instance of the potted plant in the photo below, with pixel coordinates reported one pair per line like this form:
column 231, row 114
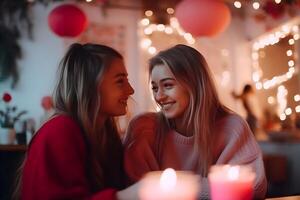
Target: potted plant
column 8, row 118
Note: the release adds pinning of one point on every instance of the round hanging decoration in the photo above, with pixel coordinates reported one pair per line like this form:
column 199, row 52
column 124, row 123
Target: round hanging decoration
column 47, row 103
column 203, row 17
column 67, row 20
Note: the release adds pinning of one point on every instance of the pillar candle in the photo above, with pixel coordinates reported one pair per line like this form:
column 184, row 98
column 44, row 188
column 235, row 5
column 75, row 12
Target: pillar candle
column 231, row 182
column 169, row 185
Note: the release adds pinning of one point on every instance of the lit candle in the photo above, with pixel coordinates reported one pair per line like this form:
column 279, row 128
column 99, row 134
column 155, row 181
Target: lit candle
column 231, row 182
column 169, row 185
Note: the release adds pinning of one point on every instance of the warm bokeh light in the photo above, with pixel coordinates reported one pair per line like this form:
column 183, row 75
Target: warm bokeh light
column 148, row 13
column 288, row 111
column 233, row 173
column 152, row 50
column 256, row 5
column 297, row 109
column 297, row 97
column 145, row 22
column 168, row 179
column 271, row 100
column 289, row 52
column 237, row 4
column 170, row 11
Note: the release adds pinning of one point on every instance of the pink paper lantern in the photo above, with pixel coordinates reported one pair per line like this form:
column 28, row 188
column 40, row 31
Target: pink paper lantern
column 203, row 17
column 67, row 20
column 47, row 103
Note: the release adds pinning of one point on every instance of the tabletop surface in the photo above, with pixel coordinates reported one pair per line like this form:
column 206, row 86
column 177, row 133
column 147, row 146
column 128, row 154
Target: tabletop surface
column 286, row 198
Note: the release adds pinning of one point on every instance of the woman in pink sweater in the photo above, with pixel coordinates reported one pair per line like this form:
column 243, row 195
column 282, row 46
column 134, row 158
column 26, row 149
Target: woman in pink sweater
column 193, row 130
column 77, row 153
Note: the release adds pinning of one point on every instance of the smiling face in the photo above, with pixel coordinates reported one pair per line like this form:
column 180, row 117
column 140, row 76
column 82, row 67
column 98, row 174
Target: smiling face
column 114, row 90
column 168, row 93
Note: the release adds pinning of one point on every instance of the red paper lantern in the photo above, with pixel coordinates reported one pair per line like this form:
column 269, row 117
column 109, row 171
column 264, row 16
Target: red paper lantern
column 203, row 17
column 67, row 20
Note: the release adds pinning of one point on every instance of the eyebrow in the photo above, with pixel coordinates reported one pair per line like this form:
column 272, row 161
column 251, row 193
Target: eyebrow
column 120, row 75
column 164, row 79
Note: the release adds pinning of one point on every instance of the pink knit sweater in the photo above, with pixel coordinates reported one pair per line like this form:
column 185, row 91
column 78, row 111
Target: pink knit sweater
column 234, row 144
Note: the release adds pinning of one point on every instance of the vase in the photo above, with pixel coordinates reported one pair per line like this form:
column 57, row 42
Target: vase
column 7, row 136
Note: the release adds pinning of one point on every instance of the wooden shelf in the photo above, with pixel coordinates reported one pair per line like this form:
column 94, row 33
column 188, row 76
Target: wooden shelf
column 12, row 147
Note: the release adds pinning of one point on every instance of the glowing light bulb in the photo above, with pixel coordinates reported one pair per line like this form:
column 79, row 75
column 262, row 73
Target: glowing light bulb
column 297, row 97
column 237, row 4
column 289, row 52
column 148, row 13
column 256, row 5
column 291, row 41
column 152, row 50
column 145, row 22
column 291, row 63
column 271, row 100
column 170, row 11
column 297, row 109
column 288, row 111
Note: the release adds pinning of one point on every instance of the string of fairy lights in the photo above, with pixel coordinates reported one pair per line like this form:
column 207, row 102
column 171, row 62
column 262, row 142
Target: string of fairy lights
column 291, row 30
column 255, row 4
column 148, row 28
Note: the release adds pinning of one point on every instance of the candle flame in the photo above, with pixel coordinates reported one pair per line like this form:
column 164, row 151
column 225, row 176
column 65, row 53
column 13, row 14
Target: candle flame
column 168, row 179
column 233, row 173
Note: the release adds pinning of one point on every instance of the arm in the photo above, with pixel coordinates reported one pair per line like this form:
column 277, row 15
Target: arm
column 139, row 157
column 239, row 147
column 55, row 167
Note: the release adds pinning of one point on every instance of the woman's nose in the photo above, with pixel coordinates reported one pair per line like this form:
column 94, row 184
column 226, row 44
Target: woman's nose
column 130, row 89
column 160, row 95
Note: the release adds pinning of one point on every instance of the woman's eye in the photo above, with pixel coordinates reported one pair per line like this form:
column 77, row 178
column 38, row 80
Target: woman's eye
column 168, row 85
column 120, row 81
column 154, row 89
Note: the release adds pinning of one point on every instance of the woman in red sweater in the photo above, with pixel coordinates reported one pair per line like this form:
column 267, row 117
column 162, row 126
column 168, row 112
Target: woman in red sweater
column 77, row 153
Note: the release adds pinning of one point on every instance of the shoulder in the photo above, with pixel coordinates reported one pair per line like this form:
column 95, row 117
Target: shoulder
column 234, row 140
column 147, row 120
column 59, row 130
column 232, row 121
column 145, row 117
column 142, row 126
column 60, row 125
column 233, row 126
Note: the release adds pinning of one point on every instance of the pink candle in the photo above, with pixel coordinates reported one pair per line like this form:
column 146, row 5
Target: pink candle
column 231, row 182
column 169, row 185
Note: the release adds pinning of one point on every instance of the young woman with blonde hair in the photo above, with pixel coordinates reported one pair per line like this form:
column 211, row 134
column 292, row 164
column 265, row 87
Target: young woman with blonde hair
column 77, row 153
column 193, row 130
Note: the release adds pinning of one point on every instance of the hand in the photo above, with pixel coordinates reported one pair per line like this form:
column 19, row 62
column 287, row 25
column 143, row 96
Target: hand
column 130, row 193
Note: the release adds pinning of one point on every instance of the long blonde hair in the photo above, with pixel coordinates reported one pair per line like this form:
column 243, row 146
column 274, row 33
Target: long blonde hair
column 192, row 72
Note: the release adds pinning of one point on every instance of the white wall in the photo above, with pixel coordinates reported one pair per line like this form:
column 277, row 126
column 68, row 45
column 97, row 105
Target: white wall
column 237, row 61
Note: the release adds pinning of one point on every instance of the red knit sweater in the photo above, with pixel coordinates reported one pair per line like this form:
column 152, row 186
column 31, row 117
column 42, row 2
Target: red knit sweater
column 56, row 162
